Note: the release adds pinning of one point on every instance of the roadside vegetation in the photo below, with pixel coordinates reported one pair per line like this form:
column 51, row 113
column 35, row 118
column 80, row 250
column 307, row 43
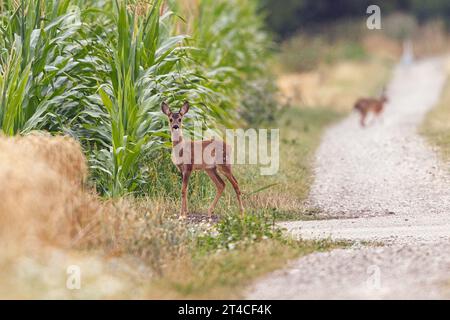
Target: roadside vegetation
column 436, row 127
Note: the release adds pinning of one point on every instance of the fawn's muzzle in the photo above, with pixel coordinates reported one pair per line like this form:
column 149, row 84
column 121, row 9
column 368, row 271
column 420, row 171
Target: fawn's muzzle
column 175, row 127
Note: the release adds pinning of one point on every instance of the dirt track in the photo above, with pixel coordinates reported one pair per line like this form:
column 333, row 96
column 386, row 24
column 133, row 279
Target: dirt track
column 383, row 184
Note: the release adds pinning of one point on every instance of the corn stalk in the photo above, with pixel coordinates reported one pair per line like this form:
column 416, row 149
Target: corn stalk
column 36, row 62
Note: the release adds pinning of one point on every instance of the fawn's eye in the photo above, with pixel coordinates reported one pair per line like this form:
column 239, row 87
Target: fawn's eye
column 170, row 120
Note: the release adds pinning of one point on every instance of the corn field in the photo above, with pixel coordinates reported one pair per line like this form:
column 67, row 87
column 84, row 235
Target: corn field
column 99, row 70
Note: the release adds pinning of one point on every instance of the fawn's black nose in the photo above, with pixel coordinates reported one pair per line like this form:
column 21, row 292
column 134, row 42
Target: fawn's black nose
column 175, row 127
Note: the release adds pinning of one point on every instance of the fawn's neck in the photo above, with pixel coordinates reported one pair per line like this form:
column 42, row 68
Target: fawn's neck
column 177, row 137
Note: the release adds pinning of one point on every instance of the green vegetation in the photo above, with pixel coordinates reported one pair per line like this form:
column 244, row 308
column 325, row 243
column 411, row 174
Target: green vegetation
column 305, row 53
column 436, row 127
column 225, row 274
column 36, row 59
column 196, row 260
column 234, row 231
column 100, row 74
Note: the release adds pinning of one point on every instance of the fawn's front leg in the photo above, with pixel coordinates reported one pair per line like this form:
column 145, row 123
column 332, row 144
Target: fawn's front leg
column 186, row 173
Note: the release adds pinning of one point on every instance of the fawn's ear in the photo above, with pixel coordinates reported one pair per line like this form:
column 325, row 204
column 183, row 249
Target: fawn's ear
column 185, row 108
column 165, row 108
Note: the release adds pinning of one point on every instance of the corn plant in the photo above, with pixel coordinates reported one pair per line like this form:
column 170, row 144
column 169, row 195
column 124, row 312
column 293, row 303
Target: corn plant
column 36, row 62
column 145, row 65
column 232, row 52
column 99, row 70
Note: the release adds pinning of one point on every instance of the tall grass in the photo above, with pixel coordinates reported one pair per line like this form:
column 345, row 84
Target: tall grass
column 436, row 126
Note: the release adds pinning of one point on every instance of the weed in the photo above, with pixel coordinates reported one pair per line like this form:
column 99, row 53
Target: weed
column 233, row 232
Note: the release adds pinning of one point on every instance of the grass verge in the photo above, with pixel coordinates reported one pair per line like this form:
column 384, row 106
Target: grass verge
column 436, row 126
column 225, row 275
column 215, row 261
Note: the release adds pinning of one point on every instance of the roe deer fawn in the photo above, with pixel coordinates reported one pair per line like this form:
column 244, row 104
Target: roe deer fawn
column 210, row 156
column 366, row 105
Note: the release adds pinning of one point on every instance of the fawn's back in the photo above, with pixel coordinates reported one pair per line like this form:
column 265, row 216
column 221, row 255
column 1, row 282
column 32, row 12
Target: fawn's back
column 365, row 105
column 203, row 154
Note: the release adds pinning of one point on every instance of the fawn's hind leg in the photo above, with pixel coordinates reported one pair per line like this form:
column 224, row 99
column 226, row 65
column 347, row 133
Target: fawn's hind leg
column 226, row 170
column 220, row 185
column 363, row 119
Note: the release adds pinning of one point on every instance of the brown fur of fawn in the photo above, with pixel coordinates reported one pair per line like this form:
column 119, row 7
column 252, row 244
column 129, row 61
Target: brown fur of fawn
column 366, row 105
column 190, row 155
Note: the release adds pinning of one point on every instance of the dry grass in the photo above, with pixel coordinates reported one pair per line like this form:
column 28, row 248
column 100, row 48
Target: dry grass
column 436, row 127
column 145, row 228
column 43, row 207
column 42, row 198
column 43, row 201
column 45, row 214
column 431, row 39
column 382, row 47
column 224, row 274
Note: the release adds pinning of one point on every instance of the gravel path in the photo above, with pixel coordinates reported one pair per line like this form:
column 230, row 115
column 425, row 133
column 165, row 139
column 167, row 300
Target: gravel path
column 383, row 184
